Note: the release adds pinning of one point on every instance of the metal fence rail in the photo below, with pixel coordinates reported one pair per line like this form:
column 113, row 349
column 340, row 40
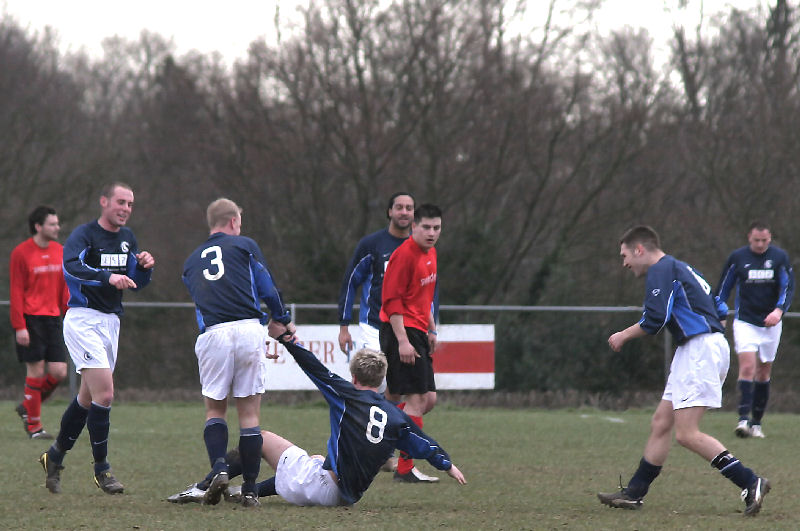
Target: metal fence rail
column 297, row 307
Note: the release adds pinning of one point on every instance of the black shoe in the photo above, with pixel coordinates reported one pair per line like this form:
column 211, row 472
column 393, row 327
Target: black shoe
column 620, row 500
column 106, row 482
column 753, row 496
column 414, row 476
column 40, row 434
column 53, row 471
column 216, row 488
column 23, row 415
column 249, row 499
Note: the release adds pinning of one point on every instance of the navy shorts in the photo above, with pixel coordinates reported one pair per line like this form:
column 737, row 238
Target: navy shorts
column 404, row 378
column 47, row 340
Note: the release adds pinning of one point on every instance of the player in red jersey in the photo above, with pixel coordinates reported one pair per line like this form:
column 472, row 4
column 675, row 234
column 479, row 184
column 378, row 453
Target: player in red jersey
column 39, row 297
column 408, row 328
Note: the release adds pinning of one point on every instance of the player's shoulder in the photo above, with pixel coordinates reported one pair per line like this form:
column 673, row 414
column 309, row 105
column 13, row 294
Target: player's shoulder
column 778, row 252
column 22, row 246
column 374, row 238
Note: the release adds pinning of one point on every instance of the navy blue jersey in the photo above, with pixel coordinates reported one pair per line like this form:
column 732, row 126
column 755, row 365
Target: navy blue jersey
column 763, row 282
column 91, row 255
column 228, row 278
column 679, row 298
column 366, row 269
column 365, row 429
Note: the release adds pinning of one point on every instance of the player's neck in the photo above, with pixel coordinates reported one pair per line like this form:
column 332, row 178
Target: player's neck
column 398, row 232
column 103, row 222
column 41, row 241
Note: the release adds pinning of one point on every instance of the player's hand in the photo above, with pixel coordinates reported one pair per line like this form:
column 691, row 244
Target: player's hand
column 408, row 354
column 456, row 474
column 121, row 281
column 433, row 340
column 616, row 341
column 23, row 337
column 145, row 260
column 774, row 317
column 345, row 339
column 282, row 332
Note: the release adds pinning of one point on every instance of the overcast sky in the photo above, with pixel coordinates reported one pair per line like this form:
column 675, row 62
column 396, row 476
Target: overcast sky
column 229, row 26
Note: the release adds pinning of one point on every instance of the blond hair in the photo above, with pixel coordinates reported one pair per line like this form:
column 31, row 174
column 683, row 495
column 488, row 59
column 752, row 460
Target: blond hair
column 368, row 367
column 220, row 211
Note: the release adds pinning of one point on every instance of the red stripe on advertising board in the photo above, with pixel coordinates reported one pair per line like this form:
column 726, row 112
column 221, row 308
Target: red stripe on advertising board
column 467, row 356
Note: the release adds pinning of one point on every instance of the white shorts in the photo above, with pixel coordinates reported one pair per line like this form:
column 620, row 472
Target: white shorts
column 231, row 357
column 370, row 338
column 301, row 480
column 698, row 371
column 92, row 338
column 762, row 339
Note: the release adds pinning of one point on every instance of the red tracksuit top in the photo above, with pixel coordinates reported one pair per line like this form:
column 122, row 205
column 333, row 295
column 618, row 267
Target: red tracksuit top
column 409, row 285
column 37, row 282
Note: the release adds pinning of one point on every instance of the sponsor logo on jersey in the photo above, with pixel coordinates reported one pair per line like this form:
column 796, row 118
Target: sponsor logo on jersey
column 761, row 274
column 48, row 268
column 113, row 260
column 427, row 280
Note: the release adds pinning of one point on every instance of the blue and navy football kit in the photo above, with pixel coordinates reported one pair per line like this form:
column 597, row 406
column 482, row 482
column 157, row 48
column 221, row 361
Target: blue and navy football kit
column 227, row 278
column 679, row 298
column 763, row 282
column 365, row 429
column 366, row 269
column 91, row 255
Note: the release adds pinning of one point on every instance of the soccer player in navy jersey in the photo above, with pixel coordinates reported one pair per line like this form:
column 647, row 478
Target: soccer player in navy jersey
column 228, row 278
column 366, row 270
column 365, row 430
column 679, row 299
column 101, row 259
column 764, row 281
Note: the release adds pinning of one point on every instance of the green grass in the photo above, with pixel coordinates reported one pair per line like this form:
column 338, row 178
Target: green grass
column 527, row 469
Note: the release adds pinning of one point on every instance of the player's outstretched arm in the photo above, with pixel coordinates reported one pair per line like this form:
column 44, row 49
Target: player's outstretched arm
column 456, row 474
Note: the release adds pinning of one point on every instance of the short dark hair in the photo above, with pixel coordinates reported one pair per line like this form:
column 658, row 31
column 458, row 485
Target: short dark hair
column 427, row 211
column 641, row 234
column 758, row 225
column 108, row 189
column 395, row 196
column 38, row 216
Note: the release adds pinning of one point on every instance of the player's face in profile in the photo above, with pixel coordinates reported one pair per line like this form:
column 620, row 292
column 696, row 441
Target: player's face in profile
column 49, row 229
column 426, row 232
column 117, row 209
column 401, row 215
column 633, row 259
column 759, row 240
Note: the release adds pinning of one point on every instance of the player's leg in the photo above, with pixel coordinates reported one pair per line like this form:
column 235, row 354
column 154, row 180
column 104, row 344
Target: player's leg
column 55, row 356
column 250, row 445
column 746, row 341
column 100, row 384
column 32, row 402
column 655, row 454
column 767, row 352
column 33, row 355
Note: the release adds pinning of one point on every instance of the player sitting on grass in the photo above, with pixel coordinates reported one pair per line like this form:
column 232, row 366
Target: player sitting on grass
column 365, row 430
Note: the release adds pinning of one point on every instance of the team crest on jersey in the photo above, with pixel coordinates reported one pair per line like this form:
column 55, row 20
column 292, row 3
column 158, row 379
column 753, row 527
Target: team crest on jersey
column 768, row 264
column 655, row 292
column 125, row 246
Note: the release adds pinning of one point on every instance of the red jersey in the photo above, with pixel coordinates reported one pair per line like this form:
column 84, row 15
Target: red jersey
column 37, row 282
column 409, row 285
